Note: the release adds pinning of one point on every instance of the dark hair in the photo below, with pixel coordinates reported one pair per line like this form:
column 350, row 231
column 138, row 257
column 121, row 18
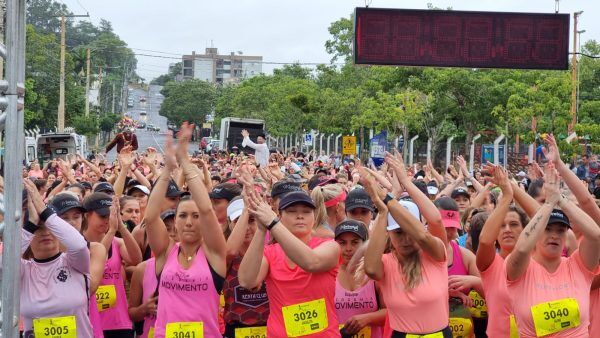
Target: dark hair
column 535, row 187
column 39, row 184
column 477, row 222
column 446, row 203
column 522, row 215
column 216, row 178
column 124, row 199
column 183, row 198
column 261, row 135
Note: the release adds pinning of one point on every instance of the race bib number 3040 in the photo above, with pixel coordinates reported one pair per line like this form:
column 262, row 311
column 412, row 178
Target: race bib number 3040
column 185, row 330
column 555, row 316
column 305, row 318
column 58, row 327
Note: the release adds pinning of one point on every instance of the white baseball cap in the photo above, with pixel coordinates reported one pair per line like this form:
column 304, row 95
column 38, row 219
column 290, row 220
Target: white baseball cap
column 408, row 205
column 235, row 209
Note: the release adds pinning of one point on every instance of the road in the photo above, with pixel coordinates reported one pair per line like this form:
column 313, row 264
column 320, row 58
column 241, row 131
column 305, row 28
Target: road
column 150, row 107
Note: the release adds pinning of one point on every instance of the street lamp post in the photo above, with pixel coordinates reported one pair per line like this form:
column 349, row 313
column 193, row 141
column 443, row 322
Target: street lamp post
column 578, row 76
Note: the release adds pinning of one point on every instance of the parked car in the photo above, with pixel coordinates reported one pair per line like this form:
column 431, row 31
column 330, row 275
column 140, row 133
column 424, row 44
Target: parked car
column 152, row 127
column 141, row 125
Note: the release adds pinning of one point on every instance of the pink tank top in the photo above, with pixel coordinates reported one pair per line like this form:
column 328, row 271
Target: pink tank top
column 458, row 267
column 362, row 300
column 95, row 317
column 116, row 317
column 149, row 284
column 187, row 295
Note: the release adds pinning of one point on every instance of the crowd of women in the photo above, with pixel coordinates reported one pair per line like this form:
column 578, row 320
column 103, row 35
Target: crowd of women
column 179, row 246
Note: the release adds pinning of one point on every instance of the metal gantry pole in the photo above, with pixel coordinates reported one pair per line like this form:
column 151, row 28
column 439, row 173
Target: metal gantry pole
column 11, row 260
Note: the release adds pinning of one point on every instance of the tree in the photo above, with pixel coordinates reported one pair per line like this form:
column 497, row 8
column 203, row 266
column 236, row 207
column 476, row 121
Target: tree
column 342, row 35
column 188, row 101
column 170, row 76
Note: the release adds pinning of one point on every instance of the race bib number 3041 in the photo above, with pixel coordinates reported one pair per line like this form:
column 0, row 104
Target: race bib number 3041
column 185, row 330
column 305, row 318
column 58, row 327
column 555, row 316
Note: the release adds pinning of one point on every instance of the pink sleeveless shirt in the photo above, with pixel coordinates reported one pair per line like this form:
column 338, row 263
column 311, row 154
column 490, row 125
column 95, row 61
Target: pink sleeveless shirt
column 117, row 317
column 362, row 300
column 458, row 267
column 95, row 317
column 187, row 295
column 149, row 284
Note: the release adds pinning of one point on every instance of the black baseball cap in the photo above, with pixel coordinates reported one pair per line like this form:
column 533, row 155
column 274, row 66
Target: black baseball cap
column 99, row 202
column 224, row 191
column 84, row 185
column 460, row 191
column 353, row 226
column 358, row 198
column 283, row 187
column 557, row 216
column 64, row 202
column 295, row 197
column 173, row 190
column 319, row 181
column 104, row 187
column 167, row 214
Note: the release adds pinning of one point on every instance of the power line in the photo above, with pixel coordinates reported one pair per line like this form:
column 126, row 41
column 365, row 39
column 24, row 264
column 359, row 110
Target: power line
column 80, row 5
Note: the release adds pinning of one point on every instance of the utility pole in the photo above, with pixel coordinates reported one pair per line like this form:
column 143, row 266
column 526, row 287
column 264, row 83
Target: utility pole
column 61, row 100
column 87, row 84
column 113, row 99
column 124, row 91
column 574, row 74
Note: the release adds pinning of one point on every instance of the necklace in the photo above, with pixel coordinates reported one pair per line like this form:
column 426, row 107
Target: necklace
column 189, row 257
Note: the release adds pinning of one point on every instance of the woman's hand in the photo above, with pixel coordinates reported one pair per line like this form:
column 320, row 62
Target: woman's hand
column 466, row 300
column 551, row 150
column 397, row 164
column 261, row 211
column 169, row 156
column 376, row 193
column 184, row 136
column 114, row 222
column 457, row 283
column 34, row 196
column 551, row 184
column 149, row 307
column 355, row 324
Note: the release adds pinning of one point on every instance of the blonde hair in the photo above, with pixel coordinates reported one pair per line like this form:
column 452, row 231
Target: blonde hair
column 411, row 269
column 320, row 195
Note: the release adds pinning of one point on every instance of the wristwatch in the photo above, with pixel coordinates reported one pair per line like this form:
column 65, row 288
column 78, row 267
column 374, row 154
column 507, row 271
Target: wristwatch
column 388, row 198
column 272, row 224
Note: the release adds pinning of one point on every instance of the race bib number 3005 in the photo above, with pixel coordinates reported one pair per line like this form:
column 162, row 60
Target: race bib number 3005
column 555, row 316
column 185, row 330
column 58, row 327
column 305, row 318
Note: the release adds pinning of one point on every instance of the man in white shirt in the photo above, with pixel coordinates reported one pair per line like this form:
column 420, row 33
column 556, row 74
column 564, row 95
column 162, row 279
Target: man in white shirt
column 261, row 150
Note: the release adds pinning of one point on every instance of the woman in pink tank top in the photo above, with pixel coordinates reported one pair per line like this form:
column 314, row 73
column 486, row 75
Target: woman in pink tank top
column 299, row 270
column 190, row 272
column 143, row 296
column 413, row 277
column 102, row 223
column 69, row 208
column 551, row 294
column 356, row 299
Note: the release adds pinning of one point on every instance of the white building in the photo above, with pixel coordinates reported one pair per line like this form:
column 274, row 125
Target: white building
column 220, row 69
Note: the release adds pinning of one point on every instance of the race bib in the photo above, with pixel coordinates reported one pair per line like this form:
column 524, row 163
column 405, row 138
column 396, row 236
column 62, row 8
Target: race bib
column 106, row 297
column 429, row 335
column 461, row 327
column 514, row 330
column 479, row 309
column 555, row 316
column 185, row 330
column 251, row 332
column 305, row 318
column 151, row 332
column 58, row 327
column 365, row 332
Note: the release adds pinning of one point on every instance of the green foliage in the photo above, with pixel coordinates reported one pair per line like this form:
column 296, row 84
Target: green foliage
column 342, row 35
column 108, row 122
column 171, row 76
column 188, row 101
column 85, row 125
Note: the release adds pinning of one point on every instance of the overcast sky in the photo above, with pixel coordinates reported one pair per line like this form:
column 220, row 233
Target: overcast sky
column 278, row 30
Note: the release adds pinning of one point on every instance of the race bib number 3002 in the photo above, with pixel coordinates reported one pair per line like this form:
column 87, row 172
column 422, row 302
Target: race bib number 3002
column 555, row 316
column 58, row 327
column 305, row 318
column 461, row 327
column 106, row 297
column 427, row 335
column 185, row 330
column 251, row 332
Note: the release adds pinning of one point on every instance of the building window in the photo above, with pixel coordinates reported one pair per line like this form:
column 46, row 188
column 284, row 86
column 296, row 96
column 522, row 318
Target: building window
column 188, row 72
column 187, row 63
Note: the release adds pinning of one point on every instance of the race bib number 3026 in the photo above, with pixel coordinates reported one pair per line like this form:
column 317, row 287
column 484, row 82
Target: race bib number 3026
column 185, row 330
column 305, row 318
column 58, row 327
column 555, row 316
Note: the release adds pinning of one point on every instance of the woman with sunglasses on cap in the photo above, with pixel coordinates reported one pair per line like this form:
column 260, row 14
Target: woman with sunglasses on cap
column 413, row 278
column 551, row 294
column 353, row 287
column 299, row 270
column 54, row 284
column 191, row 272
column 102, row 222
column 69, row 208
column 330, row 208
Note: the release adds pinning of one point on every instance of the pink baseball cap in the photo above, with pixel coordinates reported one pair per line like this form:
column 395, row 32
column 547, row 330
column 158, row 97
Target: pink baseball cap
column 451, row 218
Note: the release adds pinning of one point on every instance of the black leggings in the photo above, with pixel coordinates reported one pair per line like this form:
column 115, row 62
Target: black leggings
column 447, row 333
column 118, row 333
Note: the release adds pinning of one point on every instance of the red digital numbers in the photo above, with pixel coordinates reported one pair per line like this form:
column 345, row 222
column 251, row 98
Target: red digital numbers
column 461, row 39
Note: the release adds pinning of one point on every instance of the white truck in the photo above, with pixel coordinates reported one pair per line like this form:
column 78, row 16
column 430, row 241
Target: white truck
column 231, row 132
column 56, row 145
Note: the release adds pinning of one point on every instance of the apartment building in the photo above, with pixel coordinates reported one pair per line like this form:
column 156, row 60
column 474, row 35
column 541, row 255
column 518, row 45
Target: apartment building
column 220, row 69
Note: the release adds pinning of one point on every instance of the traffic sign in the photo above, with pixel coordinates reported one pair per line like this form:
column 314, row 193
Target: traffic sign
column 308, row 140
column 349, row 145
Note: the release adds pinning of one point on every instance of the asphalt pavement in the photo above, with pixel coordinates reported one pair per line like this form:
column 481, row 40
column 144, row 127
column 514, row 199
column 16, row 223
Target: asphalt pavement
column 147, row 111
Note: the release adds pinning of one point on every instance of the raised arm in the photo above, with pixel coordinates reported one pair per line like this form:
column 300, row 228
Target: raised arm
column 90, row 165
column 584, row 224
column 125, row 161
column 377, row 243
column 491, row 229
column 129, row 249
column 518, row 261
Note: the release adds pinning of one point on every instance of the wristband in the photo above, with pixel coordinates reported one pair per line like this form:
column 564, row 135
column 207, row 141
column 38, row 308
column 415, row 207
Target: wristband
column 30, row 227
column 388, row 198
column 272, row 224
column 49, row 211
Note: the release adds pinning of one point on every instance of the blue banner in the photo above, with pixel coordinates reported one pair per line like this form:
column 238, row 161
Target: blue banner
column 379, row 146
